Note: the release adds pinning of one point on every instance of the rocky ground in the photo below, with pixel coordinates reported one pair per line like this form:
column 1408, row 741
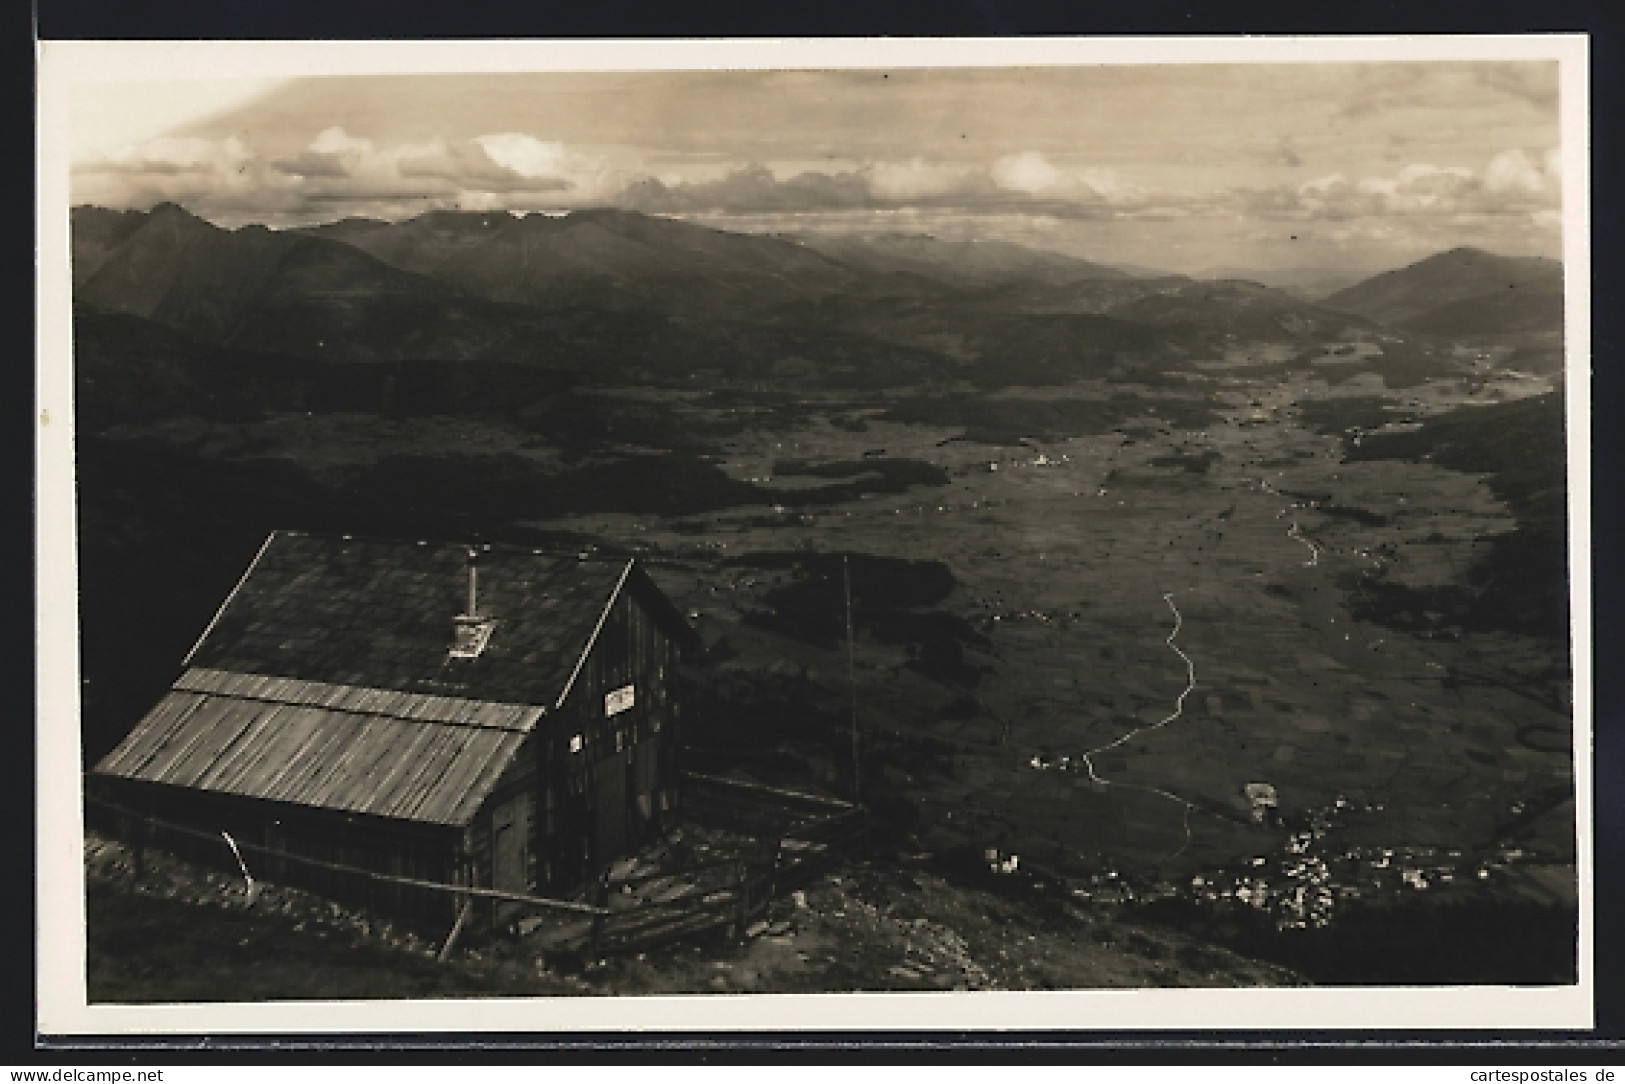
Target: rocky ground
column 873, row 928
column 186, row 933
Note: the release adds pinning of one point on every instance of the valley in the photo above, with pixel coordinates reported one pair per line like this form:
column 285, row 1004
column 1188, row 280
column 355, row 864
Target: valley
column 1123, row 550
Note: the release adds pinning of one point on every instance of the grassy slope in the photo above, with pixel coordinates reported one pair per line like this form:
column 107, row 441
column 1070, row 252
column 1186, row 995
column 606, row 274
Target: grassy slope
column 146, row 949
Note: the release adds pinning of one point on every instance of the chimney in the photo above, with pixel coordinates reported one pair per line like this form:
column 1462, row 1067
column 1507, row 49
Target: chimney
column 471, row 632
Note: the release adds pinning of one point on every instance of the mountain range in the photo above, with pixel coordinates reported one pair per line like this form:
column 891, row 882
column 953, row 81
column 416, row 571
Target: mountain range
column 614, row 297
column 961, row 263
column 607, row 258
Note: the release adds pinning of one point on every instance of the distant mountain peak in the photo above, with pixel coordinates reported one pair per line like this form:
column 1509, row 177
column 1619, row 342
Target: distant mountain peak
column 1469, row 255
column 171, row 210
column 1436, row 283
column 173, row 219
column 1474, row 254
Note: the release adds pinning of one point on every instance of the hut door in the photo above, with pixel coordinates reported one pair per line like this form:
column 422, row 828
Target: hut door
column 508, row 848
column 610, row 814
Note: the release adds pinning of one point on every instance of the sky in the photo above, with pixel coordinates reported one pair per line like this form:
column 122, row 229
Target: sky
column 1179, row 167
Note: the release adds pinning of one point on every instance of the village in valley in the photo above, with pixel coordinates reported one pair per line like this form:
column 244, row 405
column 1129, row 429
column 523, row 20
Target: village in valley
column 564, row 580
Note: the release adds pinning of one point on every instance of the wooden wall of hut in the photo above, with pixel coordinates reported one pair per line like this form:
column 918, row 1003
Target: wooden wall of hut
column 393, row 848
column 610, row 780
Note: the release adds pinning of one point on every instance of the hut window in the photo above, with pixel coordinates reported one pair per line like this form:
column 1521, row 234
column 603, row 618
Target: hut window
column 619, row 700
column 576, row 741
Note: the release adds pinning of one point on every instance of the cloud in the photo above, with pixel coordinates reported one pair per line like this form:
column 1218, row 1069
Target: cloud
column 484, row 164
column 917, row 179
column 1028, row 172
column 1515, row 171
column 551, row 163
column 1513, row 183
column 1418, row 187
column 748, row 189
column 1022, row 182
column 172, row 155
column 310, row 163
column 1031, row 173
column 339, row 173
column 185, row 170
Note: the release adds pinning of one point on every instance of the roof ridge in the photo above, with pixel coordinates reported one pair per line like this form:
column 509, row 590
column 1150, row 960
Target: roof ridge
column 593, row 552
column 205, row 684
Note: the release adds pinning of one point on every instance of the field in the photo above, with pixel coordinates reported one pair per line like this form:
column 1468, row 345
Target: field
column 1026, row 607
column 1072, row 560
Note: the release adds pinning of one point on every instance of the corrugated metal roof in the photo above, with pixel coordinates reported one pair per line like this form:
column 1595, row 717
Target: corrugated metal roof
column 387, row 754
column 349, row 611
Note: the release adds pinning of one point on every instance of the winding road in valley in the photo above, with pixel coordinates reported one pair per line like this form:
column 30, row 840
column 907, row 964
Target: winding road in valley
column 1179, row 710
